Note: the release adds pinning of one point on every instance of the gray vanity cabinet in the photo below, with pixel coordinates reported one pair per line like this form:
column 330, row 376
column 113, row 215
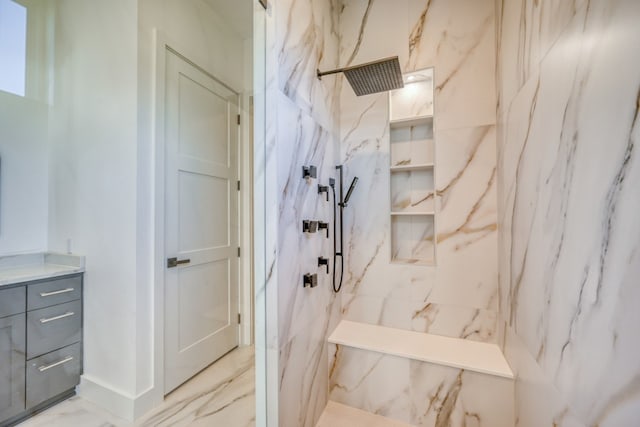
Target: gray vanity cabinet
column 40, row 345
column 12, row 365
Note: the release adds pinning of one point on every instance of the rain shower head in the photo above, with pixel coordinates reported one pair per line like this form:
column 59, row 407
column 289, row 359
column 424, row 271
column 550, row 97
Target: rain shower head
column 373, row 77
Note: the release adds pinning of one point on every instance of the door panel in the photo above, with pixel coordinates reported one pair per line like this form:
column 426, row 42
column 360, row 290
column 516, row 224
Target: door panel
column 201, row 296
column 206, row 140
column 202, row 193
column 207, row 305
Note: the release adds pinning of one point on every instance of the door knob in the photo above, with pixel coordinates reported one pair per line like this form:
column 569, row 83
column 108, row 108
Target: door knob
column 174, row 262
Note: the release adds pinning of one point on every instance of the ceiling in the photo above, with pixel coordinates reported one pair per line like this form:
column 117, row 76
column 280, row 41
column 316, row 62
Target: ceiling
column 238, row 13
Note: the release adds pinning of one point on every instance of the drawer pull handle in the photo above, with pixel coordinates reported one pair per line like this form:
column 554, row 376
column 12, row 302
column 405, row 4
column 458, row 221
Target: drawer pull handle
column 62, row 316
column 53, row 365
column 61, row 291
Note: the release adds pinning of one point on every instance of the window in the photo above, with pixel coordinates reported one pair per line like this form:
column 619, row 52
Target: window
column 13, row 47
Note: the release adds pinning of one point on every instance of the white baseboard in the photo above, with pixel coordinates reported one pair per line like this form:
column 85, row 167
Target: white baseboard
column 117, row 402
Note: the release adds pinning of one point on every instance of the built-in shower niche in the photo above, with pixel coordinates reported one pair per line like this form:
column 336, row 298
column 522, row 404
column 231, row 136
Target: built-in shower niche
column 412, row 239
column 412, row 182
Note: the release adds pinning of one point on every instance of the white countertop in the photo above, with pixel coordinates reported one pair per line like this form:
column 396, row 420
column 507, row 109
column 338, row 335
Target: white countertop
column 45, row 265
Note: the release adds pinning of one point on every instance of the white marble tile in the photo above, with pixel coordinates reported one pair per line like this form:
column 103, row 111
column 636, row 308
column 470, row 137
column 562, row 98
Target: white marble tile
column 75, row 412
column 411, row 314
column 304, row 376
column 383, row 311
column 466, row 218
column 308, row 41
column 412, row 239
column 457, row 38
column 412, row 191
column 419, row 393
column 373, row 30
column 536, row 401
column 338, row 415
column 455, row 321
column 302, row 142
column 415, row 99
column 223, row 394
column 526, row 32
column 566, row 161
column 371, row 381
column 442, row 396
column 462, row 52
column 302, row 130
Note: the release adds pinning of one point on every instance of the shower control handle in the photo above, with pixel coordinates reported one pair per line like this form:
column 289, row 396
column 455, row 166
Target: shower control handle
column 323, row 189
column 309, row 226
column 310, row 280
column 309, row 172
column 323, row 261
column 324, row 226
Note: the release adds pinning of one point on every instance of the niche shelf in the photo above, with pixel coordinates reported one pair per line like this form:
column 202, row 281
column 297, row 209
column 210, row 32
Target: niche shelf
column 412, row 171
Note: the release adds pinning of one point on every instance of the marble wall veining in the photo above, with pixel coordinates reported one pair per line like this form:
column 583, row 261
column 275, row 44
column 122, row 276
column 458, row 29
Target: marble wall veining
column 458, row 296
column 568, row 129
column 457, row 39
column 419, row 393
column 302, row 129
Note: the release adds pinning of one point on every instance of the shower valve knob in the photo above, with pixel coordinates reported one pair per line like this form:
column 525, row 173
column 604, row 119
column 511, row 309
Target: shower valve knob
column 323, row 261
column 309, row 172
column 310, row 280
column 324, row 226
column 309, row 226
column 323, row 189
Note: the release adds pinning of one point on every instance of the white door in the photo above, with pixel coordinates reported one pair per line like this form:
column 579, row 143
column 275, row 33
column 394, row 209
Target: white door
column 201, row 227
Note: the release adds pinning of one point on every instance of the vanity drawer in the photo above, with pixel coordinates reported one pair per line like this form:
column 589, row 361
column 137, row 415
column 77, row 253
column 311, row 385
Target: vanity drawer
column 12, row 301
column 53, row 327
column 52, row 292
column 52, row 374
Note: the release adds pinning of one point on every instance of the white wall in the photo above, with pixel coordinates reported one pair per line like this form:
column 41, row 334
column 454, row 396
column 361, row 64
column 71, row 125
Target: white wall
column 92, row 181
column 23, row 174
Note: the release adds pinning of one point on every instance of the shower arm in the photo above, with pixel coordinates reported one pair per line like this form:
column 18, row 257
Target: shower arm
column 326, row 73
column 353, row 67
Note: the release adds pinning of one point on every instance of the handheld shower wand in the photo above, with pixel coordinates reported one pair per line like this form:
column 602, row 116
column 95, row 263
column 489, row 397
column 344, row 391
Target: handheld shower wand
column 342, row 203
column 351, row 187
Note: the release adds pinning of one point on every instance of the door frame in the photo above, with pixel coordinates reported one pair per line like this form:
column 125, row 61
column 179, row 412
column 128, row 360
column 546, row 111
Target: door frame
column 245, row 151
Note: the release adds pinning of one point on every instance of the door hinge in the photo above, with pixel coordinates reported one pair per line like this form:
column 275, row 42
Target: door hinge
column 239, row 318
column 238, row 185
column 238, row 252
column 238, row 119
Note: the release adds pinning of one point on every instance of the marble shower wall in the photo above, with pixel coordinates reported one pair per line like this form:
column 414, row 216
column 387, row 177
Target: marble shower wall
column 419, row 393
column 302, row 129
column 458, row 297
column 569, row 241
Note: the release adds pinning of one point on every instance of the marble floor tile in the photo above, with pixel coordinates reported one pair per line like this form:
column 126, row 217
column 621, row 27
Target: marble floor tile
column 75, row 412
column 223, row 394
column 337, row 415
